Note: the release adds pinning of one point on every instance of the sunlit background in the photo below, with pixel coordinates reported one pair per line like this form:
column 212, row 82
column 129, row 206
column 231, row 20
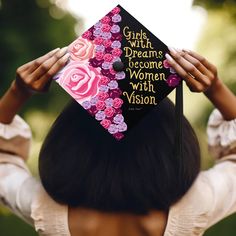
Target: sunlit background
column 30, row 28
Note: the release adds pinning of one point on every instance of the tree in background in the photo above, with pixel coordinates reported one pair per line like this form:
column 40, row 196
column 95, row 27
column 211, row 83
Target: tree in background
column 218, row 43
column 29, row 29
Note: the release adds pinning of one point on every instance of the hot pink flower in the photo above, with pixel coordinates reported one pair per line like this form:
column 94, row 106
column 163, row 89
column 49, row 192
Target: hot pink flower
column 117, row 102
column 105, row 20
column 81, row 50
column 98, row 40
column 87, row 35
column 99, row 55
column 116, row 52
column 166, row 64
column 105, row 123
column 103, row 96
column 173, row 80
column 104, row 80
column 106, row 28
column 109, row 111
column 80, row 81
column 116, row 10
column 107, row 43
column 108, row 57
column 100, row 105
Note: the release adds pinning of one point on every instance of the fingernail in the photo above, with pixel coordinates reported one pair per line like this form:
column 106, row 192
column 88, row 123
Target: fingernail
column 172, row 50
column 66, row 57
column 186, row 50
column 62, row 51
column 168, row 57
column 54, row 50
column 178, row 50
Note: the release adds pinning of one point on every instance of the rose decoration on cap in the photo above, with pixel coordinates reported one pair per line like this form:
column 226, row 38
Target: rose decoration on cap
column 117, row 72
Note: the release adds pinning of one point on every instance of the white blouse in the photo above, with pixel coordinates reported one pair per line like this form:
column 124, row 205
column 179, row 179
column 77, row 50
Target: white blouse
column 211, row 198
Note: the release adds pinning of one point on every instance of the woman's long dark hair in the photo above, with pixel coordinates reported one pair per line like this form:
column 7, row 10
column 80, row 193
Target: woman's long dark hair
column 81, row 164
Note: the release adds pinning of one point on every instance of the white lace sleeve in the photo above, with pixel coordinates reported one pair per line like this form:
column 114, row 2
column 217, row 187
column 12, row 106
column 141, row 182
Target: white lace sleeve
column 221, row 135
column 15, row 137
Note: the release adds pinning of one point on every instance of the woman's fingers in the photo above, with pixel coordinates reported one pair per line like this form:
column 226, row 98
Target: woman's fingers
column 190, row 67
column 192, row 83
column 47, row 64
column 44, row 81
column 32, row 65
column 195, row 62
column 203, row 61
column 42, row 69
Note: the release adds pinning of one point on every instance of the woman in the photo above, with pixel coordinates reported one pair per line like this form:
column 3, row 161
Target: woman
column 98, row 186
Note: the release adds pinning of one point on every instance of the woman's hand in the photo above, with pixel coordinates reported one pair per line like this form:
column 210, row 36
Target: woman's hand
column 32, row 77
column 198, row 73
column 35, row 76
column 201, row 76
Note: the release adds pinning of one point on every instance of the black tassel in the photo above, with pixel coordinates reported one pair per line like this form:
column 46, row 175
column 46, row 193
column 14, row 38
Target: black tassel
column 179, row 121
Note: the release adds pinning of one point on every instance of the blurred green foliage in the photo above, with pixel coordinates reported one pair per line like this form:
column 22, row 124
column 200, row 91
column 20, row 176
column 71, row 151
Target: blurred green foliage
column 218, row 44
column 30, row 28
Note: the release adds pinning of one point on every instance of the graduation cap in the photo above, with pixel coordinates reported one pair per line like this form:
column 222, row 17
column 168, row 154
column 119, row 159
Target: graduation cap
column 118, row 72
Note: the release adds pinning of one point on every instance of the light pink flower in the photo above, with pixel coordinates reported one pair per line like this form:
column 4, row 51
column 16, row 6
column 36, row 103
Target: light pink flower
column 81, row 50
column 80, row 81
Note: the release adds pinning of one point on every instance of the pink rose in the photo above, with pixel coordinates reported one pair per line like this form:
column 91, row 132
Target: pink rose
column 98, row 40
column 107, row 43
column 103, row 96
column 173, row 80
column 104, row 80
column 81, row 50
column 109, row 111
column 112, row 71
column 117, row 102
column 99, row 55
column 100, row 105
column 116, row 52
column 80, row 81
column 105, row 123
column 105, row 20
column 108, row 57
column 106, row 28
column 116, row 10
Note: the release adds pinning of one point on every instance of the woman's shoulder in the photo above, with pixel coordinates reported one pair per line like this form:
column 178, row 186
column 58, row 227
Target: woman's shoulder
column 211, row 198
column 48, row 215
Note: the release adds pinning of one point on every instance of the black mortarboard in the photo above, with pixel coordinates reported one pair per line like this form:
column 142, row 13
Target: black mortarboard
column 118, row 73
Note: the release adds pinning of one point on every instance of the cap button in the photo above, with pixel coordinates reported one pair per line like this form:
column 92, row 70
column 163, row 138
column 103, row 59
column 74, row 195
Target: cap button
column 118, row 66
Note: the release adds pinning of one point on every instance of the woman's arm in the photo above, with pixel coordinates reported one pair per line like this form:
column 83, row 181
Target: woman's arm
column 34, row 76
column 201, row 76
